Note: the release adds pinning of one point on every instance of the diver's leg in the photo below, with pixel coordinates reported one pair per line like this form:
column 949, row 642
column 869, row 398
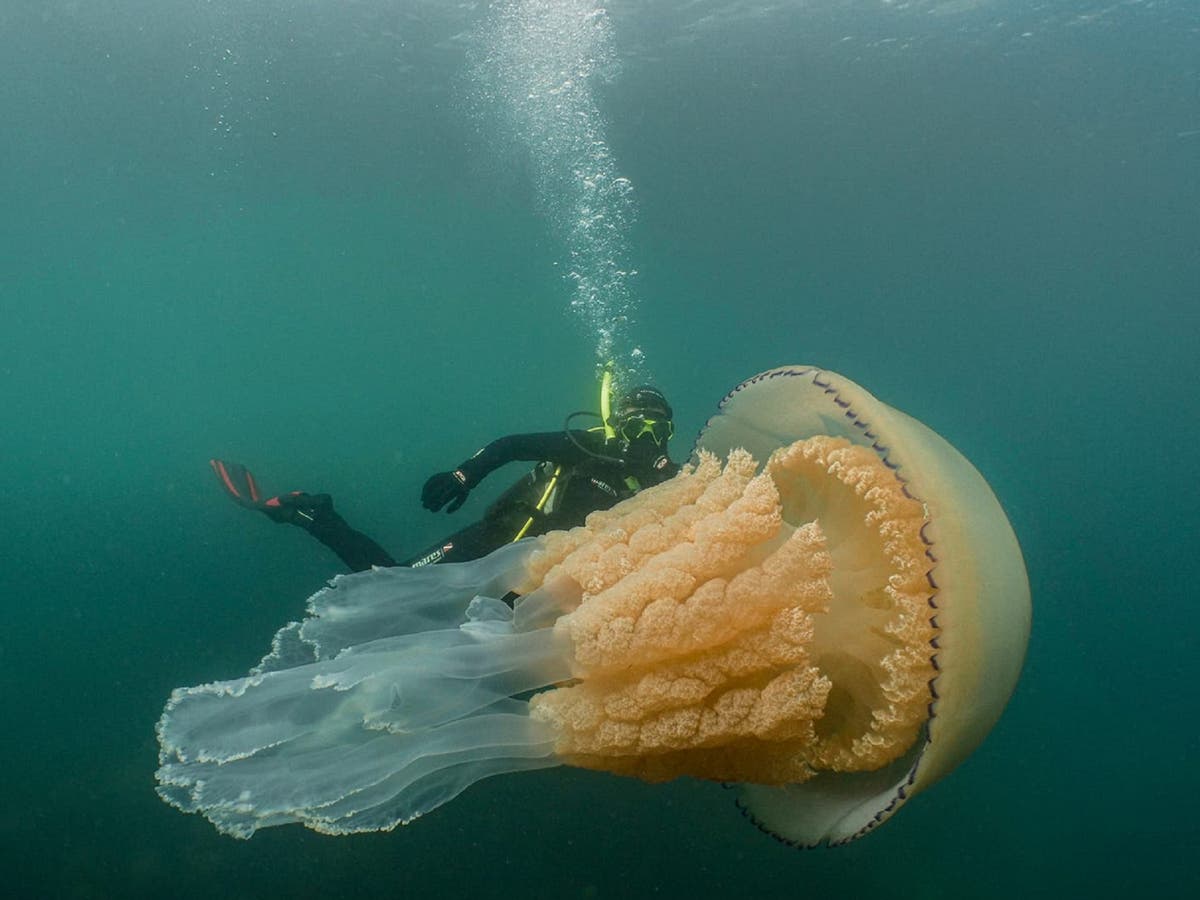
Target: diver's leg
column 312, row 512
column 471, row 542
column 352, row 547
column 315, row 514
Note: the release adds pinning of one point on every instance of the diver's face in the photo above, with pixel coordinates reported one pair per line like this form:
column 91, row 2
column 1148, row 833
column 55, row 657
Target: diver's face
column 644, row 438
column 639, row 427
column 641, row 452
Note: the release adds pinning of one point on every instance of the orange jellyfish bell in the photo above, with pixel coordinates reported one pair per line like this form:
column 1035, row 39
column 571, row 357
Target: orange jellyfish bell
column 833, row 618
column 978, row 591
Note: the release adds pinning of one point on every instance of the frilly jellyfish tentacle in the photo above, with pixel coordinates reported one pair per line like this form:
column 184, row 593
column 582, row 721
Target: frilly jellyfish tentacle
column 361, row 737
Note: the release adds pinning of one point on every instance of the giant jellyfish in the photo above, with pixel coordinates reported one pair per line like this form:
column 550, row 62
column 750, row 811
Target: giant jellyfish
column 828, row 607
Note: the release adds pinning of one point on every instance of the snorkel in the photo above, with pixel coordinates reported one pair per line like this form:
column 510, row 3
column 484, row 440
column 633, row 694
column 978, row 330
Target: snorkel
column 605, row 415
column 606, row 401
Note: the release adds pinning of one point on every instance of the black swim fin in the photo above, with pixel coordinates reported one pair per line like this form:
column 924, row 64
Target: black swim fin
column 295, row 507
column 238, row 482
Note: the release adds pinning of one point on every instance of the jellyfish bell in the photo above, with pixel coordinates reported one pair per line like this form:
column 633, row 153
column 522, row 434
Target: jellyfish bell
column 833, row 617
column 979, row 590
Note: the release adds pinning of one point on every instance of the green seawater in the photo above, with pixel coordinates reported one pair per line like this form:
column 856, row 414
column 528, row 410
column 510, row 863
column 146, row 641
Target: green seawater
column 294, row 235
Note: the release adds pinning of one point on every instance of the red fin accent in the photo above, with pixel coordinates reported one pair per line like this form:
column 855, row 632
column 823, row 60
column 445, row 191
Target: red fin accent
column 224, row 476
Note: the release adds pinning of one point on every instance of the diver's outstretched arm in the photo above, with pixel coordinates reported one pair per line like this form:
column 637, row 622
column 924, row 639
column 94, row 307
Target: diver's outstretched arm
column 453, row 487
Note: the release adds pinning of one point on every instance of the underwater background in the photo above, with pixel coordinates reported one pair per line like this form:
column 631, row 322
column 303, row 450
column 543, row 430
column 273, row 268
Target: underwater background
column 345, row 244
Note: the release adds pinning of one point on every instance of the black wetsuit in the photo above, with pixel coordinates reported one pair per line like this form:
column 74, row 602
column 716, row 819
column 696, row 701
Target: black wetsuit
column 584, row 483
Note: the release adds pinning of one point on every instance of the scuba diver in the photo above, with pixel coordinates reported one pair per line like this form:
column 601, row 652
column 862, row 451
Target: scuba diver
column 578, row 471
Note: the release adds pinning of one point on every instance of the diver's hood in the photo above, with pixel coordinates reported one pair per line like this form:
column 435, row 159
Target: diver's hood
column 644, row 400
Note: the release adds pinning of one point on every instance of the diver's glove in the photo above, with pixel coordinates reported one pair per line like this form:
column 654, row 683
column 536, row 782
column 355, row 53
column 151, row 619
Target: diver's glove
column 296, row 508
column 443, row 488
